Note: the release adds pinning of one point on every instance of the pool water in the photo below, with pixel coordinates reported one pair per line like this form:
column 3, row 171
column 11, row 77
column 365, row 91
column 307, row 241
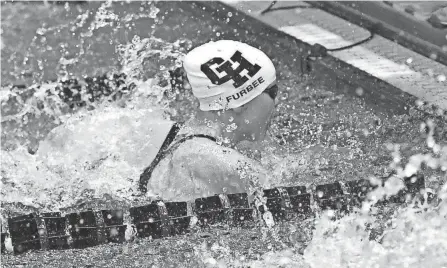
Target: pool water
column 316, row 136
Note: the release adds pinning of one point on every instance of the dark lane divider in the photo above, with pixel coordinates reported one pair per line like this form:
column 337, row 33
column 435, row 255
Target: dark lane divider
column 157, row 220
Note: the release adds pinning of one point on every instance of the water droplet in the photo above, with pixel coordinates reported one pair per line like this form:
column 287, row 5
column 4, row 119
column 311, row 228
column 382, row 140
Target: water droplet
column 409, row 61
column 419, row 103
column 433, row 56
column 231, row 127
column 284, row 96
column 113, row 232
column 359, row 91
column 211, row 261
column 389, row 146
column 40, row 31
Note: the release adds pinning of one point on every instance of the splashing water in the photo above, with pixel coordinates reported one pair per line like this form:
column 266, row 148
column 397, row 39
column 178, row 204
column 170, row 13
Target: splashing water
column 92, row 154
column 96, row 151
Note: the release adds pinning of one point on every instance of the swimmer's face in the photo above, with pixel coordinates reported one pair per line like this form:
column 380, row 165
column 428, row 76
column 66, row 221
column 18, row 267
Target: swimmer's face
column 253, row 119
column 257, row 116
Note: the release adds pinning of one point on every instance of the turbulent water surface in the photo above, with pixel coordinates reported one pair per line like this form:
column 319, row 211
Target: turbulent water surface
column 60, row 155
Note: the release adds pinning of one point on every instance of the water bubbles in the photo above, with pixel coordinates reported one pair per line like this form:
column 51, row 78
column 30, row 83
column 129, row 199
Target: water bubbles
column 114, row 232
column 389, row 146
column 359, row 91
column 153, row 12
column 330, row 213
column 320, row 194
column 430, row 72
column 268, row 219
column 253, row 136
column 433, row 56
column 230, row 14
column 365, row 132
column 40, row 31
column 430, row 141
column 441, row 78
column 409, row 61
column 436, row 148
column 411, row 169
column 284, row 96
column 211, row 261
column 231, row 119
column 419, row 103
column 231, row 127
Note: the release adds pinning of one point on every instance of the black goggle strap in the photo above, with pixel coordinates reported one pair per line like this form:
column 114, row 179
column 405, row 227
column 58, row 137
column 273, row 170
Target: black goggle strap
column 272, row 91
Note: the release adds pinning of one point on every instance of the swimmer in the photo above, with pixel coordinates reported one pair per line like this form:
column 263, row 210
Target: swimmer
column 235, row 85
column 123, row 151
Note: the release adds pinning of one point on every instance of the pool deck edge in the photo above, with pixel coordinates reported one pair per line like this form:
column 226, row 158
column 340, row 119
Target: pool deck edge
column 338, row 75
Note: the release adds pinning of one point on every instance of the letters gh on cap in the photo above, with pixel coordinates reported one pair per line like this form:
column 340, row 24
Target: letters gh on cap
column 227, row 74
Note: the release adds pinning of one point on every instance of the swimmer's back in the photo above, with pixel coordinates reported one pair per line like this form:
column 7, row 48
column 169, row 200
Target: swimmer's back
column 200, row 167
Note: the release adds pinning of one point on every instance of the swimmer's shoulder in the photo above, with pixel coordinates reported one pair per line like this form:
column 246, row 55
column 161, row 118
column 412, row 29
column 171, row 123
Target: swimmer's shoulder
column 194, row 140
column 207, row 151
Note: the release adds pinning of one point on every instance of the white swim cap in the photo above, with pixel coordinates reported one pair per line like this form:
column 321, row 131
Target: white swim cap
column 227, row 74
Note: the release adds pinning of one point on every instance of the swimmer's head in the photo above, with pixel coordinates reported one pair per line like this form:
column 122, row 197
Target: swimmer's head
column 235, row 81
column 227, row 74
